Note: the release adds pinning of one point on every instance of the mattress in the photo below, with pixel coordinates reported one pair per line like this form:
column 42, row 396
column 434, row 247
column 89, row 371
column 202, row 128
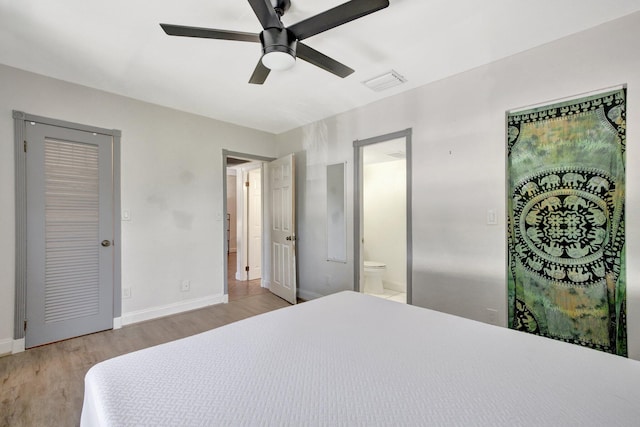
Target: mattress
column 353, row 359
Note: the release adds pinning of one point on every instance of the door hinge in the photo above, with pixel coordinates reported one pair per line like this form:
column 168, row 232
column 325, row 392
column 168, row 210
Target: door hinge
column 246, row 184
column 25, row 325
column 246, row 268
column 25, row 146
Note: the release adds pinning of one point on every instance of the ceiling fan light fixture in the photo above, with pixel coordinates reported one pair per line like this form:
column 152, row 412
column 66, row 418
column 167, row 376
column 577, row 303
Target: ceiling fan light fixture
column 278, row 61
column 278, row 49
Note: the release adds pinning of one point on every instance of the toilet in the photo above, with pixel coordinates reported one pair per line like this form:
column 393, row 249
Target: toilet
column 373, row 272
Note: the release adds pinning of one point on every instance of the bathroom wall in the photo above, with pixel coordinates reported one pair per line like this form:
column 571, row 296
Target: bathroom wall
column 385, row 225
column 458, row 169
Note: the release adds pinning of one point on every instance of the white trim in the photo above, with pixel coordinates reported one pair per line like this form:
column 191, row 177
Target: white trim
column 308, row 295
column 117, row 322
column 166, row 310
column 10, row 346
column 18, row 346
column 6, row 347
column 265, row 283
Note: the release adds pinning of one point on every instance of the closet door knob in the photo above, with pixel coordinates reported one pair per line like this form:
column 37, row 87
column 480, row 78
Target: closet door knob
column 106, row 243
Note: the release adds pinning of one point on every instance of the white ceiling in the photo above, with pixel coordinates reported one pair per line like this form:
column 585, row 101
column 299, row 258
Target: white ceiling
column 118, row 46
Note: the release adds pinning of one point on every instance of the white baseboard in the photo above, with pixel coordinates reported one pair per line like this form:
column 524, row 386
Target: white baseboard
column 166, row 310
column 117, row 322
column 6, row 347
column 18, row 346
column 308, row 295
column 241, row 276
column 10, row 346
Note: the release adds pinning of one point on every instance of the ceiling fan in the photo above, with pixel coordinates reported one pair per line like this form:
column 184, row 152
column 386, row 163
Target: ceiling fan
column 281, row 45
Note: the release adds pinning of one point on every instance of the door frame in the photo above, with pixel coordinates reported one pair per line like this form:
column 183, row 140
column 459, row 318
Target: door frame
column 254, row 157
column 248, row 218
column 20, row 121
column 357, row 206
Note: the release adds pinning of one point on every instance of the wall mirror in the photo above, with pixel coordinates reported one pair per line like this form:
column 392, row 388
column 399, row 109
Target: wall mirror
column 336, row 216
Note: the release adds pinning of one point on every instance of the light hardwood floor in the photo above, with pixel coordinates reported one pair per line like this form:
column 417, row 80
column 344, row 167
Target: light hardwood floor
column 240, row 289
column 44, row 386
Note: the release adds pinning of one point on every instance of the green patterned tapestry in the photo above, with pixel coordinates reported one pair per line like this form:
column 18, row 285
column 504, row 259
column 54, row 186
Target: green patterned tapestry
column 566, row 186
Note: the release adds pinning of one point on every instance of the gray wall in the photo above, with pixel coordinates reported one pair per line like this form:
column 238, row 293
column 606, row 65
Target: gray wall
column 458, row 127
column 172, row 183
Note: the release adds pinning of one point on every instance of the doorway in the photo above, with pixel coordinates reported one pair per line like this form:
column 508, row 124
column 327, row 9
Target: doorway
column 382, row 224
column 272, row 232
column 67, row 188
column 244, row 217
column 243, row 227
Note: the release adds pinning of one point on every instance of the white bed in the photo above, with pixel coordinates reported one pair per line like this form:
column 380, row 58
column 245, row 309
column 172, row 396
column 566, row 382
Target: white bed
column 352, row 359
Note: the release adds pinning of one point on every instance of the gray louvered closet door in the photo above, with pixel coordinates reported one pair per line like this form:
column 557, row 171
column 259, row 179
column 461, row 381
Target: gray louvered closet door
column 69, row 233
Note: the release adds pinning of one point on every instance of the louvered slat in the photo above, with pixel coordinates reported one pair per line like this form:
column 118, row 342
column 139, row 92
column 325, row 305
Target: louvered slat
column 71, row 230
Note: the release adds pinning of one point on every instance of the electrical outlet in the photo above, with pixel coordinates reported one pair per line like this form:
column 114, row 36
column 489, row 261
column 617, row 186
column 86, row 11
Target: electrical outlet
column 492, row 316
column 492, row 217
column 126, row 292
column 185, row 286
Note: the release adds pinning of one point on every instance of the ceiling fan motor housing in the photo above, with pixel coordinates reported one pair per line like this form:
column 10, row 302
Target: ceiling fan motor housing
column 278, row 40
column 281, row 6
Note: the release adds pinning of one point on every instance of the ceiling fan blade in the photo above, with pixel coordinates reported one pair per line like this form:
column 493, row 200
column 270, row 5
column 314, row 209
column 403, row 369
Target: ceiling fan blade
column 209, row 33
column 266, row 13
column 321, row 60
column 259, row 74
column 339, row 15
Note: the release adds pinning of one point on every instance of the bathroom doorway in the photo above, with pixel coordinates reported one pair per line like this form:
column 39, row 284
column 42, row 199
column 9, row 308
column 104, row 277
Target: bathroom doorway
column 382, row 223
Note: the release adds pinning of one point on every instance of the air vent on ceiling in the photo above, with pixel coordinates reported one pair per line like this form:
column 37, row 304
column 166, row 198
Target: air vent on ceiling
column 385, row 81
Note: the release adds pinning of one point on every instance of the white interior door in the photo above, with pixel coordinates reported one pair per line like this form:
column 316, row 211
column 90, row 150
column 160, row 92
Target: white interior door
column 282, row 229
column 70, row 228
column 254, row 226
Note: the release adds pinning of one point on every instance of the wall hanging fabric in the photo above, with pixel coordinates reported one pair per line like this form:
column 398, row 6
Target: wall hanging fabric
column 566, row 234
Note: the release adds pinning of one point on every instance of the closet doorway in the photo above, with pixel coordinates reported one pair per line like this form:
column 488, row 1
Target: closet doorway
column 67, row 235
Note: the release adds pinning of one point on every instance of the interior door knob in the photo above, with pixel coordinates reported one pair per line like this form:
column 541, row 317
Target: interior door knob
column 106, row 243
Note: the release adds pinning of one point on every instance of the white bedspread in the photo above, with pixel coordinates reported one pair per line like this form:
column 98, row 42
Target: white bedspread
column 352, row 359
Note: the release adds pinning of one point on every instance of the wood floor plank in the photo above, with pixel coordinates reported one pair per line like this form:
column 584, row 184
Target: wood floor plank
column 44, row 386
